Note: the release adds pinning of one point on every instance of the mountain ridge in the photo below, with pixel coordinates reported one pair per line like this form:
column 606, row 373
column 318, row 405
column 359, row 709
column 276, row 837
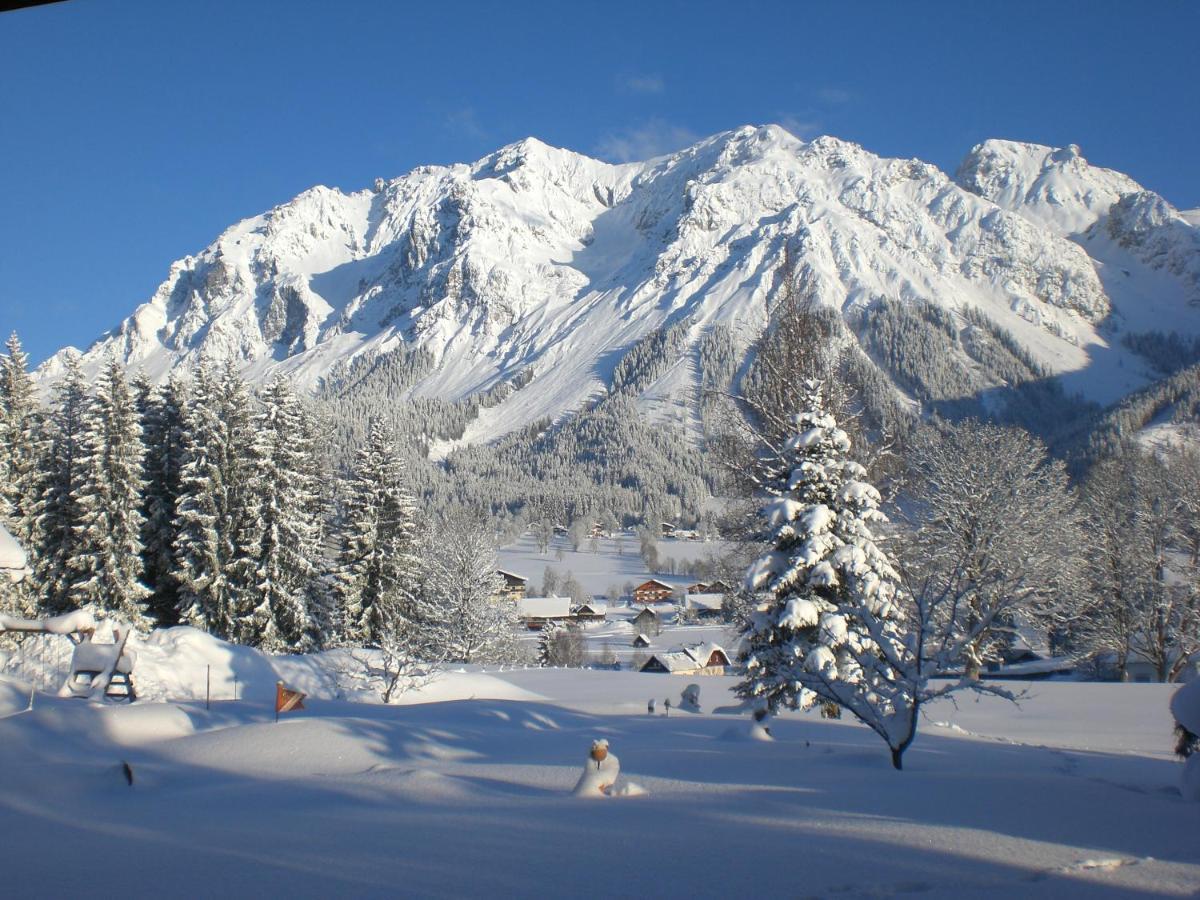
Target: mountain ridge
column 542, row 265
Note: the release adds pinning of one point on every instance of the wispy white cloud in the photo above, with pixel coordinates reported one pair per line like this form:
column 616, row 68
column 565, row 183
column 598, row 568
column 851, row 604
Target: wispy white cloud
column 833, row 95
column 465, row 122
column 641, row 83
column 653, row 138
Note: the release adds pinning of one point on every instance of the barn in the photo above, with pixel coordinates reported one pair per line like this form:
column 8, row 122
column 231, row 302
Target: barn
column 535, row 612
column 647, row 621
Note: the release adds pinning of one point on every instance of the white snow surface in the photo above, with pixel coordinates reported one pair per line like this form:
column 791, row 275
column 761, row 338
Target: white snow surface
column 1071, row 794
column 540, row 257
column 12, row 557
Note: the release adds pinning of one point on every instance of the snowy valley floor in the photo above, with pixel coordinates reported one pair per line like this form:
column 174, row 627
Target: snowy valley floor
column 456, row 794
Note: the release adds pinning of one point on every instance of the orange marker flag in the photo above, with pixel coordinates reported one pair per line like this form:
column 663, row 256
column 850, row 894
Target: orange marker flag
column 286, row 699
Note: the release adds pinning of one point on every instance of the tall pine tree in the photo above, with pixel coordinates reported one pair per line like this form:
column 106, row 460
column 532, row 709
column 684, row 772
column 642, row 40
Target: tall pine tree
column 377, row 571
column 289, row 501
column 105, row 567
column 161, row 411
column 59, row 514
column 20, row 461
column 216, row 515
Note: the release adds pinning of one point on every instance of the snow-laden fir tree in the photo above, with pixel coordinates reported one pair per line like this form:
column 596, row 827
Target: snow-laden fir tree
column 20, row 462
column 105, row 567
column 161, row 411
column 59, row 513
column 833, row 629
column 288, row 484
column 378, row 571
column 216, row 524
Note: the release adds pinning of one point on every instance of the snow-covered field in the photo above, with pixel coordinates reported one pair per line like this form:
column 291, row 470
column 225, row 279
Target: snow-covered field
column 465, row 790
column 614, row 563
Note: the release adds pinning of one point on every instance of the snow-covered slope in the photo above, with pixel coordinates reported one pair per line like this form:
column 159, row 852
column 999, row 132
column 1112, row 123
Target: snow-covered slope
column 540, row 259
column 1146, row 252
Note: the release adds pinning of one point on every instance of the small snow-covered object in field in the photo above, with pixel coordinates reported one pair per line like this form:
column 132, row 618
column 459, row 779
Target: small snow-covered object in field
column 1185, row 706
column 689, row 699
column 650, row 707
column 600, row 771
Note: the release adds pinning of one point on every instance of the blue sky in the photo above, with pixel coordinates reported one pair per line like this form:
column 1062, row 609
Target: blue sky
column 132, row 133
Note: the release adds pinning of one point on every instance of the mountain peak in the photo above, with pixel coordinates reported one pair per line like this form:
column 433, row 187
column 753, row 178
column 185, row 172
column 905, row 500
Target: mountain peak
column 543, row 266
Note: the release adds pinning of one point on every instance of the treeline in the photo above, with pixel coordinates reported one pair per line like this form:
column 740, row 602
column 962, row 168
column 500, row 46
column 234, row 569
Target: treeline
column 200, row 503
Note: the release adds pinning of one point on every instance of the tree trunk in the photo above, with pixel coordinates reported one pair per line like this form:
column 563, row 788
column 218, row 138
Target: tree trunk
column 897, row 753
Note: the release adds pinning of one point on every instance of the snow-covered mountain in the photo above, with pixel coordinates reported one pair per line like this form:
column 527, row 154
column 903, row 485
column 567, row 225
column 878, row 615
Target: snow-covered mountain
column 546, row 265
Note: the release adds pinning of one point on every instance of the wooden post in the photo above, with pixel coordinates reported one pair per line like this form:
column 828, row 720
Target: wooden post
column 207, row 685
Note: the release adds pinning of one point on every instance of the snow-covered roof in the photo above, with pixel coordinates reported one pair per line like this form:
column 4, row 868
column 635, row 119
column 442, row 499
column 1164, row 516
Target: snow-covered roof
column 544, row 608
column 504, row 573
column 641, row 640
column 703, row 601
column 688, row 658
column 675, row 661
column 653, row 584
column 702, row 653
column 592, row 609
column 644, row 612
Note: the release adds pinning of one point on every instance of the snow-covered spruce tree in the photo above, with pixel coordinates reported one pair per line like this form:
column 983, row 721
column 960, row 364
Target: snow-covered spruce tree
column 216, row 519
column 289, row 494
column 161, row 411
column 377, row 571
column 59, row 513
column 20, row 462
column 106, row 565
column 834, row 627
column 460, row 586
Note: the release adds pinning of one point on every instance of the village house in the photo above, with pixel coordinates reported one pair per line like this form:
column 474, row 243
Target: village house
column 652, row 591
column 641, row 641
column 535, row 612
column 512, row 588
column 708, row 587
column 590, row 612
column 691, row 659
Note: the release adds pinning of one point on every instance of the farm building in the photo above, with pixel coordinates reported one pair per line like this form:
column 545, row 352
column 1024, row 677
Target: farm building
column 653, row 591
column 513, row 586
column 591, row 612
column 647, row 621
column 641, row 641
column 706, row 606
column 692, row 659
column 537, row 611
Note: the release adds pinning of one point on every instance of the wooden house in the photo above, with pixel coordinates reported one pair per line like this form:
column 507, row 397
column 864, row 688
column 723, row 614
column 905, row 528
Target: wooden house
column 512, row 588
column 692, row 659
column 590, row 612
column 641, row 641
column 652, row 591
